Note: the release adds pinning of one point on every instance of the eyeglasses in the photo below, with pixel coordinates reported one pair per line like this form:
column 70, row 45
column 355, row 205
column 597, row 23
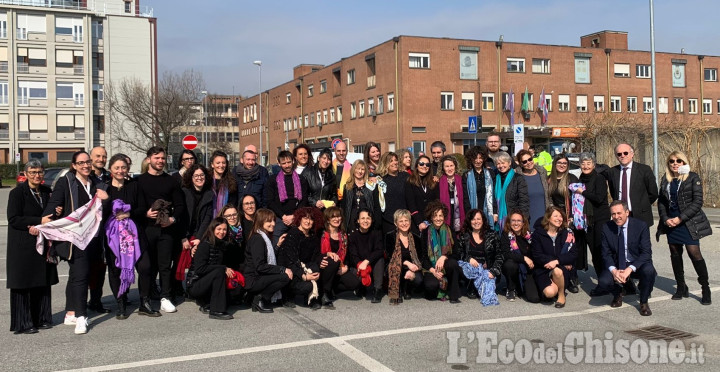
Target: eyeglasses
column 33, row 174
column 560, row 163
column 198, row 176
column 229, row 216
column 678, row 161
column 527, row 161
column 81, row 163
column 624, row 153
column 249, row 203
column 493, row 141
column 186, row 159
column 423, row 164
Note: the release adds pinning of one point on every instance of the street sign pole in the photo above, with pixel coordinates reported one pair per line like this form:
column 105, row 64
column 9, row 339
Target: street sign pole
column 472, row 127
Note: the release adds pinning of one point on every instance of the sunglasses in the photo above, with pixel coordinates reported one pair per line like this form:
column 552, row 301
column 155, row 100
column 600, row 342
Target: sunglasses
column 624, row 153
column 527, row 161
column 678, row 161
column 423, row 164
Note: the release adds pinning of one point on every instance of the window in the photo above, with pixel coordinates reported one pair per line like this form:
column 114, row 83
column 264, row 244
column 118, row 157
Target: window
column 692, row 105
column 468, row 101
column 332, row 115
column 707, row 106
column 339, row 113
column 516, row 65
column 67, row 26
column 419, row 129
column 391, row 102
column 599, row 103
column 31, row 90
column 581, row 103
column 564, row 103
column 718, row 107
column 632, row 104
column 361, row 108
column 311, row 90
column 307, row 121
column 622, row 70
column 128, row 6
column 381, row 105
column 287, row 98
column 615, row 104
column 323, row 86
column 446, row 101
column 643, row 71
column 540, row 66
column 418, row 147
column 37, row 57
column 353, row 110
column 3, row 92
column 370, row 63
column 371, row 106
column 351, row 77
column 662, row 105
column 548, row 102
column 325, row 116
column 582, row 70
column 647, row 105
column 678, row 75
column 3, row 27
column 27, row 23
column 97, row 29
column 98, row 61
column 64, row 90
column 710, row 74
column 678, row 105
column 488, row 101
column 419, row 60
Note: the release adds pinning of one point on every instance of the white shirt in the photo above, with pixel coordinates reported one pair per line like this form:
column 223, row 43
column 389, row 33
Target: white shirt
column 629, row 174
column 628, row 256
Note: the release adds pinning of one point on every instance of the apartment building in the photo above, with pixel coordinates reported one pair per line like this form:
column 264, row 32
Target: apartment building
column 56, row 56
column 410, row 91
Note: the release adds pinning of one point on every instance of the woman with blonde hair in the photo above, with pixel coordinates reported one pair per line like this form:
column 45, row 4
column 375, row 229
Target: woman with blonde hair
column 682, row 219
column 359, row 194
column 405, row 158
column 391, row 189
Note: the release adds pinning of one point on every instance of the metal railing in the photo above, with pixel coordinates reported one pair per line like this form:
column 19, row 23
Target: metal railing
column 23, row 68
column 80, row 134
column 103, row 8
column 3, row 66
column 23, row 135
column 4, row 134
column 78, row 69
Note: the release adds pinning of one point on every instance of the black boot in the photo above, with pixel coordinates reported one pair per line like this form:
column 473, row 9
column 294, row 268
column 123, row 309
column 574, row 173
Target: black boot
column 260, row 306
column 327, row 302
column 377, row 296
column 146, row 309
column 679, row 272
column 122, row 304
column 703, row 279
column 97, row 306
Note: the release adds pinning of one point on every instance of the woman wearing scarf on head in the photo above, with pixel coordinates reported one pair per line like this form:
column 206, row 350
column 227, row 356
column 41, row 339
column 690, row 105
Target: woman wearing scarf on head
column 442, row 274
column 322, row 191
column 223, row 183
column 263, row 277
column 335, row 275
column 451, row 193
column 407, row 256
column 125, row 244
column 510, row 191
column 481, row 259
column 478, row 185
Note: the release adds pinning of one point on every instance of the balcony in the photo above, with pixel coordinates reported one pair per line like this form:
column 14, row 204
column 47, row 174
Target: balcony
column 102, row 8
column 23, row 68
column 3, row 66
column 23, row 135
column 78, row 69
column 80, row 134
column 4, row 134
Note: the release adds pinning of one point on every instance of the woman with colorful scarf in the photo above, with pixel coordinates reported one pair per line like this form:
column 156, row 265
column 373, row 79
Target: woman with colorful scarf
column 360, row 194
column 335, row 275
column 391, row 189
column 223, row 183
column 451, row 192
column 554, row 251
column 264, row 278
column 510, row 191
column 478, row 185
column 300, row 252
column 536, row 179
column 518, row 265
column 442, row 272
column 407, row 256
column 198, row 204
column 561, row 196
column 481, row 259
column 235, row 253
column 285, row 192
column 125, row 245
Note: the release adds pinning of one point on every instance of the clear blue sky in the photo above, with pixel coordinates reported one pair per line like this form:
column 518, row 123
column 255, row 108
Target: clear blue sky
column 222, row 38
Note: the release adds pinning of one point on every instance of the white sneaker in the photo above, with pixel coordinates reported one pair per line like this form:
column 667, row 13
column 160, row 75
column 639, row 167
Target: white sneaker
column 70, row 320
column 81, row 325
column 167, row 306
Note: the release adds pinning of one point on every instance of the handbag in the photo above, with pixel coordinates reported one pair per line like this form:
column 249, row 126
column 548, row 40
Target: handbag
column 190, row 278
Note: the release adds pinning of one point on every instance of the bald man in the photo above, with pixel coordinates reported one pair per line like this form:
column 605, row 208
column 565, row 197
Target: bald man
column 98, row 156
column 341, row 167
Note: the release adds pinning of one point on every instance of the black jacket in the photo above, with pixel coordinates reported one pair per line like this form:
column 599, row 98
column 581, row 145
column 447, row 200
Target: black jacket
column 494, row 256
column 516, row 195
column 208, row 257
column 544, row 250
column 25, row 267
column 417, row 199
column 256, row 263
column 420, row 248
column 316, row 189
column 519, row 255
column 596, row 192
column 202, row 213
column 298, row 249
column 290, row 205
column 254, row 186
column 365, row 246
column 350, row 212
column 643, row 189
column 690, row 201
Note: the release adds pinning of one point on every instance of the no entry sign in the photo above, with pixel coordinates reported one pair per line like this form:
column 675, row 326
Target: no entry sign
column 190, row 142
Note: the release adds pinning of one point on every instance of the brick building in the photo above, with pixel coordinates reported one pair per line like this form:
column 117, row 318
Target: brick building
column 411, row 91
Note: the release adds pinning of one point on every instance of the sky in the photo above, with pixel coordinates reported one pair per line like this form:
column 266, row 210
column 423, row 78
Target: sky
column 221, row 38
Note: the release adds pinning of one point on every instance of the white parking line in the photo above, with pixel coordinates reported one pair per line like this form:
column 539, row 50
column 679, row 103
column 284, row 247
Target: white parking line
column 363, row 359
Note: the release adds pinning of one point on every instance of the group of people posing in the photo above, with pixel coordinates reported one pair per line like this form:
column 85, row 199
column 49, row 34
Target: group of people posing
column 313, row 228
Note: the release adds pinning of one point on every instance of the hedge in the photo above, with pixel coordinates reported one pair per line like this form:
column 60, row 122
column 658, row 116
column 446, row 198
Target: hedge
column 10, row 170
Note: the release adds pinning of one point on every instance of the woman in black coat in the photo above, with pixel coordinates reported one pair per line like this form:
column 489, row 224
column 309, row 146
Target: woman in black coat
column 442, row 272
column 199, row 204
column 420, row 189
column 71, row 192
column 480, row 257
column 554, row 251
column 684, row 222
column 263, row 276
column 518, row 265
column 365, row 249
column 359, row 194
column 321, row 181
column 510, row 192
column 406, row 256
column 29, row 274
column 208, row 274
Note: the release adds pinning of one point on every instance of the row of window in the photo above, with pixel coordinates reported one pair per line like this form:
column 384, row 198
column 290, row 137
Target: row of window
column 64, row 58
column 64, row 26
column 37, row 90
column 358, row 110
column 319, row 118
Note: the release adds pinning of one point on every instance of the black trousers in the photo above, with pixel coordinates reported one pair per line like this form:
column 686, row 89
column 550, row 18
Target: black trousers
column 161, row 249
column 144, row 278
column 29, row 307
column 593, row 237
column 452, row 274
column 378, row 273
column 267, row 285
column 646, row 273
column 408, row 286
column 511, row 271
column 297, row 287
column 330, row 280
column 96, row 259
column 211, row 285
column 76, row 290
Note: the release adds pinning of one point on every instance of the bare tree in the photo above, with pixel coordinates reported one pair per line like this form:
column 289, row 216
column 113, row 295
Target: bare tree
column 151, row 117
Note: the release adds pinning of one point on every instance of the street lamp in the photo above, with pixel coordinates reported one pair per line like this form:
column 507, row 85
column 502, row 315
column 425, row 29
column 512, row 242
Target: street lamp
column 205, row 119
column 259, row 65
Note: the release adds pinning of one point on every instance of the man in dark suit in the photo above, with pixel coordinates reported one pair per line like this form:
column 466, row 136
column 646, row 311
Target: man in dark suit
column 627, row 254
column 633, row 183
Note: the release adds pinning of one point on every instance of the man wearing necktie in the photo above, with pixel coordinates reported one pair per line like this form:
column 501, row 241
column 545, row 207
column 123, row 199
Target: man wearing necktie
column 633, row 183
column 627, row 254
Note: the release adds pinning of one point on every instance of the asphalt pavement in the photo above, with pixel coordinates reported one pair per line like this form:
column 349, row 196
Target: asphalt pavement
column 358, row 335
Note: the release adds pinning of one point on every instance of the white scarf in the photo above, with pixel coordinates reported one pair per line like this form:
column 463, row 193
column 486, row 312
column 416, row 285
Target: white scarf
column 271, row 260
column 78, row 228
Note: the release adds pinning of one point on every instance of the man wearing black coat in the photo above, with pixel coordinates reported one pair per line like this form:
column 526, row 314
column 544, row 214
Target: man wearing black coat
column 638, row 182
column 251, row 178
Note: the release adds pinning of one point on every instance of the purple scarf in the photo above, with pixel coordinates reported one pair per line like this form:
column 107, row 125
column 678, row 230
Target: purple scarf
column 445, row 197
column 123, row 241
column 282, row 191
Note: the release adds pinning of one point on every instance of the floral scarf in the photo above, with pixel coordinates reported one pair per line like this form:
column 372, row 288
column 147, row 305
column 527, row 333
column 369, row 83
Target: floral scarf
column 122, row 238
column 395, row 266
column 578, row 205
column 325, row 246
column 282, row 190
